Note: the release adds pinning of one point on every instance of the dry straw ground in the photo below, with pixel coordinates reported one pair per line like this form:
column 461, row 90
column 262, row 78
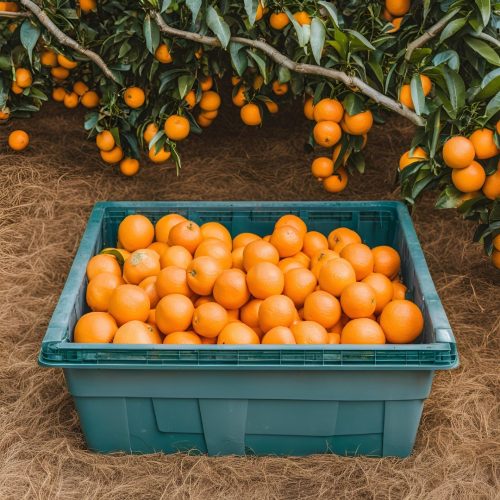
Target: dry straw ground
column 46, row 194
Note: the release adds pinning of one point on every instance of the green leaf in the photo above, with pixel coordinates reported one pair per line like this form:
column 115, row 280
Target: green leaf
column 419, row 54
column 151, row 34
column 185, row 84
column 360, row 38
column 449, row 57
column 29, row 36
column 115, row 253
column 91, row 120
column 194, row 6
column 318, row 33
column 484, row 7
column 301, row 35
column 490, row 85
column 493, row 107
column 332, row 12
column 450, row 197
column 165, row 4
column 353, row 104
column 359, row 162
column 238, row 57
column 5, row 63
column 251, row 10
column 483, row 49
column 284, row 74
column 261, row 63
column 452, row 28
column 218, row 26
column 456, row 88
column 435, row 130
column 417, row 94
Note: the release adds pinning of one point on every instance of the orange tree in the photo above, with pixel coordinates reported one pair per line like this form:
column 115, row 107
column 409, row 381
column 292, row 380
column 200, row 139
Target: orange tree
column 149, row 72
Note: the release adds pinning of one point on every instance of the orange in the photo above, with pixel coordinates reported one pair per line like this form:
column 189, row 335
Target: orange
column 182, row 338
column 202, row 273
column 496, row 242
column 190, row 99
column 48, row 58
column 327, row 133
column 419, row 154
column 90, row 99
column 319, row 260
column 322, row 167
column 176, row 256
column 265, row 279
column 402, row 321
column 387, row 15
column 162, row 54
column 113, row 156
column 302, row 17
column 323, row 308
column 103, row 263
column 16, row 88
column 289, row 263
column 287, row 240
column 405, row 96
column 279, row 88
column 249, row 314
column 205, row 340
column 383, row 289
column 360, row 257
column 105, row 140
column 58, row 94
column 71, row 100
column 259, row 13
column 218, row 231
column 198, row 53
column 99, row 290
column 129, row 302
column 230, row 289
column 458, row 152
column 483, row 141
column 129, row 166
column 239, row 98
column 328, row 110
column 279, row 335
column 149, row 286
column 134, row 97
column 397, row 8
column 209, row 319
column 362, row 331
column 95, row 328
column 209, row 115
column 426, row 84
column 137, row 332
column 243, row 239
column 250, row 114
column 66, row 62
column 174, row 313
column 80, row 88
column 299, row 283
column 336, row 153
column 469, row 179
column 140, row 265
column 276, row 310
column 4, row 114
column 259, row 251
column 177, row 127
column 309, row 332
column 358, row 300
column 186, row 234
column 165, row 224
column 237, row 258
column 218, row 250
column 150, row 131
column 171, row 280
column 495, row 258
column 278, row 20
column 18, row 140
column 335, row 275
column 491, row 187
column 314, row 242
column 23, row 77
column 292, row 220
column 135, row 232
column 398, row 291
column 206, row 82
column 360, row 123
column 235, row 79
column 124, row 253
column 59, row 73
column 386, row 260
column 302, row 258
column 336, row 182
column 271, row 106
column 237, row 332
column 210, row 101
column 333, row 338
column 233, row 315
column 341, row 237
column 309, row 108
column 396, row 22
column 258, row 81
column 87, row 5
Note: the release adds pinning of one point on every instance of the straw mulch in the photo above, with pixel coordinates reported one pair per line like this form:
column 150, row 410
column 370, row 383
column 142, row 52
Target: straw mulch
column 46, row 194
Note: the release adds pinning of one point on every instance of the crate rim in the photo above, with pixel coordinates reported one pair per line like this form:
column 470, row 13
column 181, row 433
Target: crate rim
column 56, row 350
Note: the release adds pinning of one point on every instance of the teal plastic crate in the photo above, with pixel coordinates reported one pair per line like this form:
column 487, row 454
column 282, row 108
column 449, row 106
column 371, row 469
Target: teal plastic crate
column 285, row 400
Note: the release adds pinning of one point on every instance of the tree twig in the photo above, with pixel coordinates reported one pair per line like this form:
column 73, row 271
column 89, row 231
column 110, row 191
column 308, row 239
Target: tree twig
column 429, row 34
column 487, row 38
column 13, row 15
column 65, row 39
column 309, row 69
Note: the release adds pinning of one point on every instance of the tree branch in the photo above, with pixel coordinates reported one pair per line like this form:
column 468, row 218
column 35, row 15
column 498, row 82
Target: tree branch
column 430, row 33
column 65, row 39
column 487, row 38
column 309, row 69
column 13, row 15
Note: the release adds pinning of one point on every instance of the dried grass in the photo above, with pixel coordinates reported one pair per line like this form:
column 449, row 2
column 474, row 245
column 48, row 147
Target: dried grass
column 45, row 197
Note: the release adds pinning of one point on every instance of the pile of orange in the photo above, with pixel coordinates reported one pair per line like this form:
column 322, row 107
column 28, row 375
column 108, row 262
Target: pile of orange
column 180, row 283
column 331, row 121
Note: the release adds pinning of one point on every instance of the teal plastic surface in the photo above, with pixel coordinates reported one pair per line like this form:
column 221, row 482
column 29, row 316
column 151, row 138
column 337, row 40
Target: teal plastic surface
column 292, row 400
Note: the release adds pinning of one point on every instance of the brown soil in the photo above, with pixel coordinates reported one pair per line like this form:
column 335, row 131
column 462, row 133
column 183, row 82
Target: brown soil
column 46, row 194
